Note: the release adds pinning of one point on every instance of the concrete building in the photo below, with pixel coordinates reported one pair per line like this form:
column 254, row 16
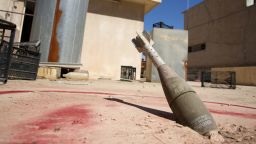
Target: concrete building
column 110, row 26
column 171, row 45
column 222, row 36
column 93, row 35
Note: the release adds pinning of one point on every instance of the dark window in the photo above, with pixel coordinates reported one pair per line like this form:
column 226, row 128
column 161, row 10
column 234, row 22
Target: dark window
column 198, row 47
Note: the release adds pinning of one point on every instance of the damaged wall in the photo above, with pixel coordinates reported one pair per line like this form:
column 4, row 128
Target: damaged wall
column 9, row 6
column 107, row 46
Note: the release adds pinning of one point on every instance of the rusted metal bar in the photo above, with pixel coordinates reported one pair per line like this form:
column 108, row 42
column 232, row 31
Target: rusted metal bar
column 54, row 47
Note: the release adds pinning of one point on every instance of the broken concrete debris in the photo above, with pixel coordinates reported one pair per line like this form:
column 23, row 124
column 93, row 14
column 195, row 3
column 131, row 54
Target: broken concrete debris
column 77, row 75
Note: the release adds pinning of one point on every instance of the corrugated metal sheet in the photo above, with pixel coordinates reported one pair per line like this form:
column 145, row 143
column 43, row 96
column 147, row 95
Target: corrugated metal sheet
column 59, row 24
column 42, row 25
column 172, row 46
column 70, row 31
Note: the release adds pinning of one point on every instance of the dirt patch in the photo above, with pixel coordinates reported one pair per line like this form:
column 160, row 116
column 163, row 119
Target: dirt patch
column 238, row 134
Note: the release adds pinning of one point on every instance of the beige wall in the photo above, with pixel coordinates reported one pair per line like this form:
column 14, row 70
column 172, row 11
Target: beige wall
column 244, row 75
column 13, row 6
column 107, row 38
column 171, row 45
column 228, row 28
column 149, row 4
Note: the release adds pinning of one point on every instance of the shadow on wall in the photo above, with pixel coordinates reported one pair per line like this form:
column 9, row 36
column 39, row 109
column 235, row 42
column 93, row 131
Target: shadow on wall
column 163, row 114
column 120, row 9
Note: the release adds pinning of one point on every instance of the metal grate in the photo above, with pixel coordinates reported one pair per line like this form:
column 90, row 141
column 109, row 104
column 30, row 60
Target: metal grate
column 24, row 61
column 162, row 25
column 128, row 73
column 218, row 79
column 7, row 34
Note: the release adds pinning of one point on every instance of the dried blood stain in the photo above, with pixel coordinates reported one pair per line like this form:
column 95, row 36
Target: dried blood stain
column 56, row 127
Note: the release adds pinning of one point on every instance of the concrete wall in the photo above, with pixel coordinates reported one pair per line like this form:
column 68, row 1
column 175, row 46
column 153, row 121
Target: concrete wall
column 172, row 47
column 13, row 6
column 228, row 28
column 244, row 75
column 107, row 38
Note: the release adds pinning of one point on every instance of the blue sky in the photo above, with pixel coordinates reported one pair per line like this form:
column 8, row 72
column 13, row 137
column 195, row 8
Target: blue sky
column 169, row 12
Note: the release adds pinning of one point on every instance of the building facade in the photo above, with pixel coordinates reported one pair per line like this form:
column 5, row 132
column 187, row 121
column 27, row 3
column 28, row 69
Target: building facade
column 222, row 36
column 110, row 26
column 92, row 35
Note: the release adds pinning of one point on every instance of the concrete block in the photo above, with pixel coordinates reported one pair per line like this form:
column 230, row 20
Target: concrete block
column 51, row 73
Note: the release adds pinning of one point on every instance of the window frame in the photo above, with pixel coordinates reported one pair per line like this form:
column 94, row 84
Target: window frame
column 197, row 48
column 250, row 3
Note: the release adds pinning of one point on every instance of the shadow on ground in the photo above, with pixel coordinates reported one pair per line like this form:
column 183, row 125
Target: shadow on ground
column 160, row 113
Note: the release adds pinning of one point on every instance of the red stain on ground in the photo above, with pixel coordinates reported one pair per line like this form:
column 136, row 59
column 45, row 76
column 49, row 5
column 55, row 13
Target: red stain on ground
column 56, row 127
column 112, row 94
column 220, row 103
column 244, row 115
column 81, row 92
column 13, row 92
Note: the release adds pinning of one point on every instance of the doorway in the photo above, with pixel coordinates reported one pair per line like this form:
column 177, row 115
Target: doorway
column 28, row 20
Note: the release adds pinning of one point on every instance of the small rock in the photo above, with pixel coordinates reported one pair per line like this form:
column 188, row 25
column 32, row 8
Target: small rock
column 241, row 129
column 215, row 137
column 239, row 140
column 76, row 122
column 247, row 138
column 147, row 126
column 56, row 129
column 177, row 125
column 138, row 125
column 151, row 120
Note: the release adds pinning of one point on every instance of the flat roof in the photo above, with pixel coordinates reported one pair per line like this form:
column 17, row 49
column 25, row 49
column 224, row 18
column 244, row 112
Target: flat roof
column 149, row 4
